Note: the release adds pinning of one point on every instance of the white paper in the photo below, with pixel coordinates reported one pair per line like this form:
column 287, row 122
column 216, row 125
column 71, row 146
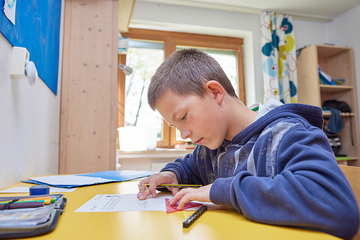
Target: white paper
column 130, row 203
column 26, row 190
column 126, row 203
column 9, row 10
column 72, row 180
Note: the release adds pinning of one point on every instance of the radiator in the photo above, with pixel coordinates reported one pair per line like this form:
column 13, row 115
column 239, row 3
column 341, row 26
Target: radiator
column 156, row 167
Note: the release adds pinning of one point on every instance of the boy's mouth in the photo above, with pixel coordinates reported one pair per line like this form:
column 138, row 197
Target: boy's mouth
column 199, row 141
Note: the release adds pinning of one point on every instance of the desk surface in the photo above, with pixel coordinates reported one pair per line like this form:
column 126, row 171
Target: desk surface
column 214, row 224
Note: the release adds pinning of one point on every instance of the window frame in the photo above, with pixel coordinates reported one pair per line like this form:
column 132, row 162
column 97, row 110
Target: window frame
column 171, row 40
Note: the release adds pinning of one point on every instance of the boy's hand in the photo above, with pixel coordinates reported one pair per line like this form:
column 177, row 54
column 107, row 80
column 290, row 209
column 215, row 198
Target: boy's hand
column 189, row 194
column 154, row 180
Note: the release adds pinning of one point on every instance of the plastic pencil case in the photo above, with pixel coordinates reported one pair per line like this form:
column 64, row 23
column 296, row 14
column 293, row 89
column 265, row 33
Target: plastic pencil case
column 30, row 222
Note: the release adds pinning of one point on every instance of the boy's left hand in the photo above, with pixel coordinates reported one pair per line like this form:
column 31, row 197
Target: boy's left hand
column 189, row 194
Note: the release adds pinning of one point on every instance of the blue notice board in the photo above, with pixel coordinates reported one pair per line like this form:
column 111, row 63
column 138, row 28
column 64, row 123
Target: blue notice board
column 37, row 28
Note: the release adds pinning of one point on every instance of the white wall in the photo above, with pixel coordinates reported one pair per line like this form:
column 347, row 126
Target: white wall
column 345, row 31
column 217, row 22
column 309, row 32
column 29, row 125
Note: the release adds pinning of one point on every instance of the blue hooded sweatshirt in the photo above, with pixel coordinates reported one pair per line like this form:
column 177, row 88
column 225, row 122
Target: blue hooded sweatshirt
column 279, row 170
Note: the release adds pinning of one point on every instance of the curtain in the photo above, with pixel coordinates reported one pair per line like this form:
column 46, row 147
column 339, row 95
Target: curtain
column 278, row 57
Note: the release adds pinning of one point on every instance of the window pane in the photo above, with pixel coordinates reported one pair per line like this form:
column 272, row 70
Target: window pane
column 144, row 57
column 228, row 62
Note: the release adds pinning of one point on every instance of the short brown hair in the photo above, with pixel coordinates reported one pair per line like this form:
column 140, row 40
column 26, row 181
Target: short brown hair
column 186, row 72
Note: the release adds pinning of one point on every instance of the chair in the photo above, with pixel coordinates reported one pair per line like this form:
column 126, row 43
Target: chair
column 353, row 176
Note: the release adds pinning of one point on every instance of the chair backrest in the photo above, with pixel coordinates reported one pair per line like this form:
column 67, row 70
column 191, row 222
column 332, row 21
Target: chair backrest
column 353, row 176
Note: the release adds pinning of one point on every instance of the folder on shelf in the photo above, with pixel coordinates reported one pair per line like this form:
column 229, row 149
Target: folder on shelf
column 325, row 78
column 69, row 181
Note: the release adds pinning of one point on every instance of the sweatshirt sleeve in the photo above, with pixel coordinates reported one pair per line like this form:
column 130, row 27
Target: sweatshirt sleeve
column 186, row 169
column 310, row 190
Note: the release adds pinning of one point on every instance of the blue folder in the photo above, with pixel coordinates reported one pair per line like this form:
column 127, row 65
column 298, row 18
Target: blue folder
column 111, row 176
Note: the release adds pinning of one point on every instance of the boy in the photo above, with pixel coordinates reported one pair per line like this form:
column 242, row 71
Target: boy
column 274, row 166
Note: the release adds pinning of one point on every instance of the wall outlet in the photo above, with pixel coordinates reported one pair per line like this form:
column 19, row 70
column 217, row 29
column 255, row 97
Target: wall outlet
column 20, row 57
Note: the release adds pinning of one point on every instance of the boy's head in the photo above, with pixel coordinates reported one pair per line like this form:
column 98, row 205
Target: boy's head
column 186, row 72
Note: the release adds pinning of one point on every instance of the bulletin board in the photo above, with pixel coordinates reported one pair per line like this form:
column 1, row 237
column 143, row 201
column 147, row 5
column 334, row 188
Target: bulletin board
column 37, row 28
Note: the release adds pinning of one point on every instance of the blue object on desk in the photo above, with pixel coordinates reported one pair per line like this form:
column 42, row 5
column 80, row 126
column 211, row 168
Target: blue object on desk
column 123, row 175
column 39, row 190
column 111, row 176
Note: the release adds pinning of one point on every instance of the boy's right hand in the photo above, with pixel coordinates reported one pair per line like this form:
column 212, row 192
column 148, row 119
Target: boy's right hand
column 154, row 180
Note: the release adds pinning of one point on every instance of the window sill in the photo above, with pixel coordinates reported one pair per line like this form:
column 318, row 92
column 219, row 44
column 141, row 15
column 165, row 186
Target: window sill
column 148, row 160
column 158, row 153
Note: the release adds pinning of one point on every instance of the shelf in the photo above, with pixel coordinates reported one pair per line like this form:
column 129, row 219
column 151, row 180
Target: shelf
column 334, row 89
column 326, row 51
column 338, row 62
column 328, row 114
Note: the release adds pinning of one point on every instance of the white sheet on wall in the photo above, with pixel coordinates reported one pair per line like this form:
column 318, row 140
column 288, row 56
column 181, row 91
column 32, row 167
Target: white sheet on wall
column 10, row 10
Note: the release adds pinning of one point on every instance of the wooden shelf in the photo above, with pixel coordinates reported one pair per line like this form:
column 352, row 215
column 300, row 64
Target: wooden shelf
column 334, row 89
column 328, row 114
column 326, row 51
column 338, row 62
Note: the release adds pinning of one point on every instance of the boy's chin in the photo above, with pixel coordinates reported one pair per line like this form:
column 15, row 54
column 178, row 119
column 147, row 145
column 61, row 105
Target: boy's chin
column 212, row 146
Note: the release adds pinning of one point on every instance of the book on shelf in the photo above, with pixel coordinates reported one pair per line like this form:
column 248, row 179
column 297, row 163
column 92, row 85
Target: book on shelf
column 325, row 78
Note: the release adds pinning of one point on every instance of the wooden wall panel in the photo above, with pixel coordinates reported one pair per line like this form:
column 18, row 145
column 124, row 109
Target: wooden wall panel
column 353, row 176
column 89, row 80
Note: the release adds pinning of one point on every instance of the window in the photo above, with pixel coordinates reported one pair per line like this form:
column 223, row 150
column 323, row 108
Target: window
column 147, row 50
column 144, row 57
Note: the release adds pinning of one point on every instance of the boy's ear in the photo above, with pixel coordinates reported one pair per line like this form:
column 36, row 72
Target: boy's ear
column 218, row 92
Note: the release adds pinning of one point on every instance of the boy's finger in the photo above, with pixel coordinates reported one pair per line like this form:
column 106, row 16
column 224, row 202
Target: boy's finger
column 152, row 192
column 186, row 196
column 176, row 198
column 182, row 203
column 142, row 184
column 142, row 187
column 152, row 188
column 174, row 191
column 143, row 195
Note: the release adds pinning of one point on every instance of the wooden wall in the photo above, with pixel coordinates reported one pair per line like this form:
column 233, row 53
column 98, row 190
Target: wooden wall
column 89, row 81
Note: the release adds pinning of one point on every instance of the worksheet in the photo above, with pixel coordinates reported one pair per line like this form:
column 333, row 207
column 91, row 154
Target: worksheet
column 126, row 202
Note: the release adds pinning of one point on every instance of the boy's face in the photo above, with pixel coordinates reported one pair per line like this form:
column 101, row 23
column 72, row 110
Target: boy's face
column 197, row 118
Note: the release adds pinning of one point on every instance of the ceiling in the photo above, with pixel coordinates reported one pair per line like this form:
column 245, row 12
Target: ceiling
column 325, row 10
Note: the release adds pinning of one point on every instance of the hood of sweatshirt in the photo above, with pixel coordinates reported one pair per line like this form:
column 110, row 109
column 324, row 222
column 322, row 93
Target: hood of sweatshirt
column 274, row 110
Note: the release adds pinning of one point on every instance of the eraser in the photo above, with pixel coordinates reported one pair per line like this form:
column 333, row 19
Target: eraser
column 39, row 190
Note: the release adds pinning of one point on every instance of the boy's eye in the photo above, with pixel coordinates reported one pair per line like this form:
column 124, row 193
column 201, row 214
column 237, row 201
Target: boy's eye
column 183, row 117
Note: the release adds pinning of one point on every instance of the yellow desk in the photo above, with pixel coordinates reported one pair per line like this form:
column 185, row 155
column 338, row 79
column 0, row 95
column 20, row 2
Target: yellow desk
column 213, row 224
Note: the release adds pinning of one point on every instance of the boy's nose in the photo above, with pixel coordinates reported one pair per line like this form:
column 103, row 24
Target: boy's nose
column 185, row 133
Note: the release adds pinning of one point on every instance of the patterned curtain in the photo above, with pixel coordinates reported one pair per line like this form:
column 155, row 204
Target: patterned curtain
column 278, row 57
